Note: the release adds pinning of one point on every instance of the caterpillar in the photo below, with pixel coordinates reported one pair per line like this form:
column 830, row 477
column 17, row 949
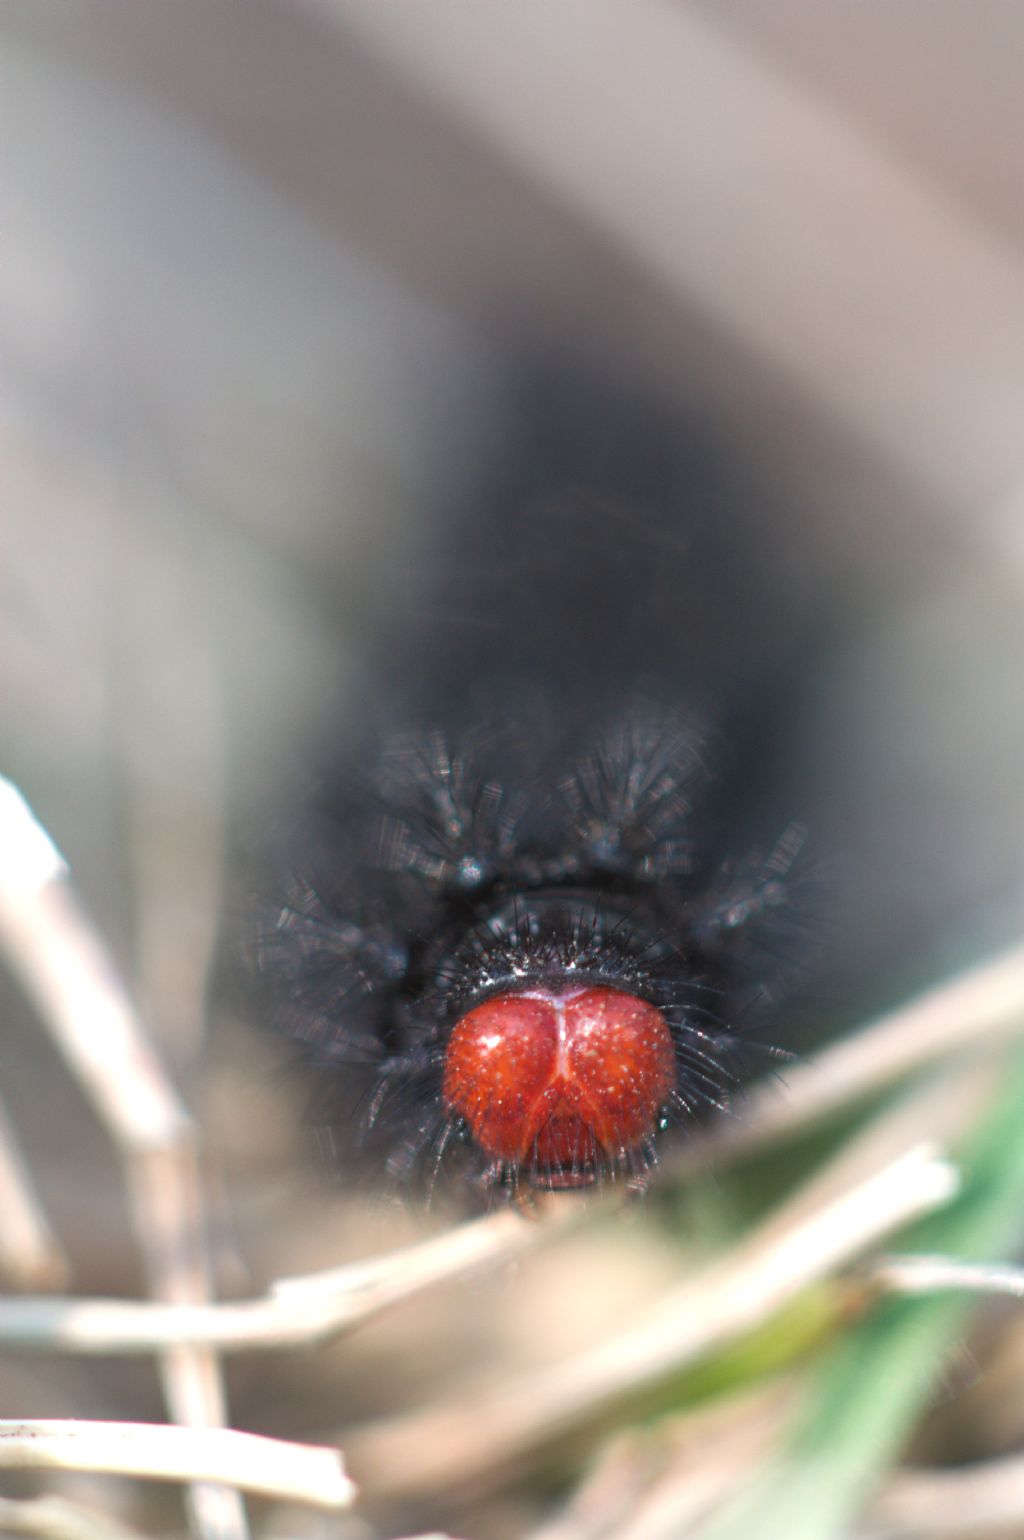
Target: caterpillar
column 525, row 932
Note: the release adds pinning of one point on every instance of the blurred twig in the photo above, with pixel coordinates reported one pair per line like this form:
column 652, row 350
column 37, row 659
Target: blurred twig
column 459, row 1443
column 694, row 1485
column 298, row 1310
column 868, row 1389
column 936, row 1274
column 979, row 1009
column 54, row 1518
column 652, row 1483
column 160, row 1453
column 30, row 1256
column 68, row 973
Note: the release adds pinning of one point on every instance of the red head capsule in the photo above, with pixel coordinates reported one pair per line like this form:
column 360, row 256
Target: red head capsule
column 551, row 1078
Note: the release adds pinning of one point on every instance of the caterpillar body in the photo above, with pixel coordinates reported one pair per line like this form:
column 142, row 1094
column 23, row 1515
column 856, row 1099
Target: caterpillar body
column 525, row 932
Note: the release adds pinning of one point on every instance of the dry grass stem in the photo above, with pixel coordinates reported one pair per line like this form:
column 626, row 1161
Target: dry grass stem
column 67, row 971
column 695, row 1485
column 978, row 1010
column 54, row 1518
column 299, row 1472
column 497, row 1237
column 653, row 1484
column 938, row 1110
column 30, row 1257
column 916, row 1275
column 298, row 1310
column 472, row 1438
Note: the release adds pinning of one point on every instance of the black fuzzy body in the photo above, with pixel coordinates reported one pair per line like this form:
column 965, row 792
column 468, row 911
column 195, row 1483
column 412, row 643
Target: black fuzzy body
column 545, row 788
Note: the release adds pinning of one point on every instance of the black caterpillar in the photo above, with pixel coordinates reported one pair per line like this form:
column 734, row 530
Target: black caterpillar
column 531, row 920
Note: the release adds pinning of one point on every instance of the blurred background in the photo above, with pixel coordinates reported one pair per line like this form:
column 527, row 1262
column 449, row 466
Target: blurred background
column 266, row 278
